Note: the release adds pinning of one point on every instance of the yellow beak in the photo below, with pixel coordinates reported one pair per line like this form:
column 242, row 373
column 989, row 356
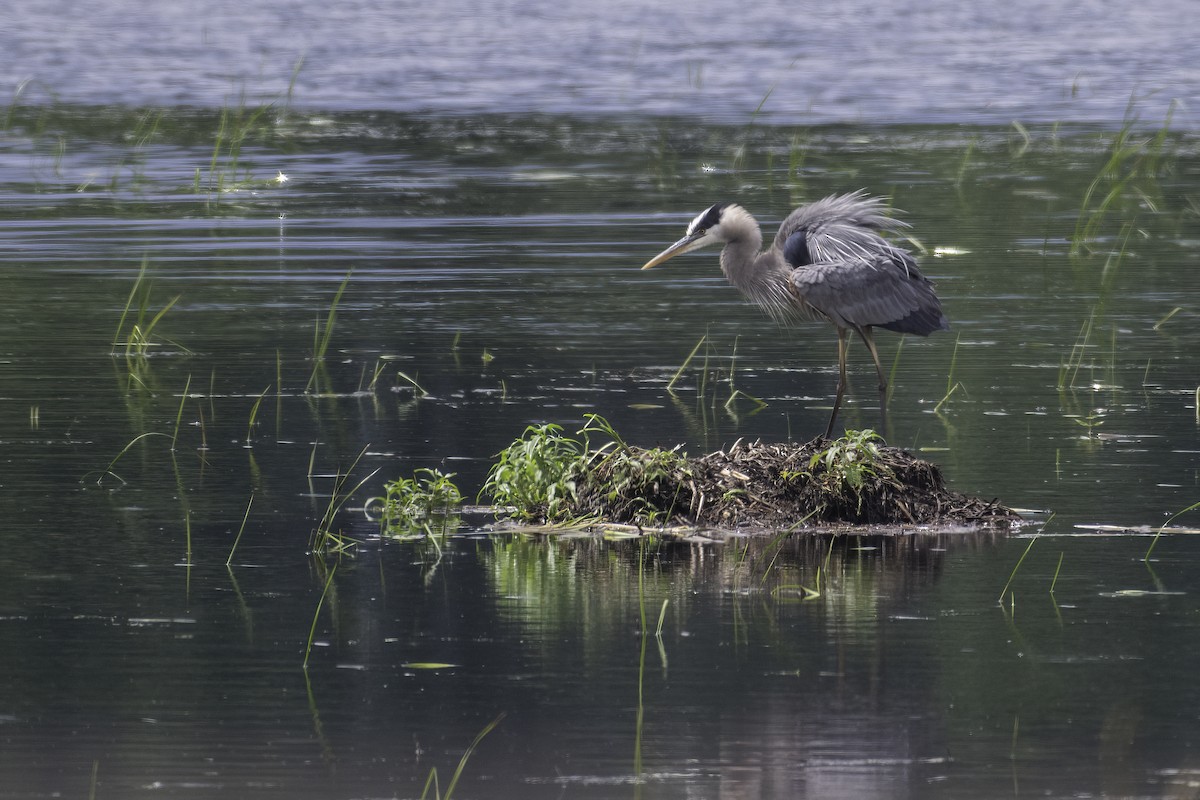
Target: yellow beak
column 685, row 245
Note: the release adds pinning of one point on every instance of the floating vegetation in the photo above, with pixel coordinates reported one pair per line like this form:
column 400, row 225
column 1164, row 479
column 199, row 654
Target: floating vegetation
column 410, row 506
column 550, row 477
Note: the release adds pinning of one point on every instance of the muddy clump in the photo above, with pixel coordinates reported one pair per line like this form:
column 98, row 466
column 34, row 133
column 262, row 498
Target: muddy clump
column 856, row 481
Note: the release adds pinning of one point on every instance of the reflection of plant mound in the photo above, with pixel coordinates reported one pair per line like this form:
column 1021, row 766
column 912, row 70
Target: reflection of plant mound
column 548, row 476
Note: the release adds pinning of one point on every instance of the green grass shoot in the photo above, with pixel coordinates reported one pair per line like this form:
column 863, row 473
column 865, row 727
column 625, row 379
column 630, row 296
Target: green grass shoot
column 109, row 469
column 1158, row 325
column 1057, row 570
column 322, row 336
column 312, row 631
column 138, row 339
column 325, row 539
column 1163, row 527
column 1012, row 575
column 187, row 522
column 952, row 385
column 241, row 529
column 432, row 781
column 683, row 367
column 413, row 383
column 179, row 414
column 254, row 415
column 1068, row 370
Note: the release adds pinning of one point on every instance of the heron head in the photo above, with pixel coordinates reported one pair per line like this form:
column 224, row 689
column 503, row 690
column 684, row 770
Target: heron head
column 704, row 230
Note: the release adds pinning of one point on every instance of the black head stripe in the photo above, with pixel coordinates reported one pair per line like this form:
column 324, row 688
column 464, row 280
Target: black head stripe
column 709, row 218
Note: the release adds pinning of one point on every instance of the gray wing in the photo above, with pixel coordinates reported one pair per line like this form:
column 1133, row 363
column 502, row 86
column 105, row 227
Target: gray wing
column 836, row 228
column 885, row 291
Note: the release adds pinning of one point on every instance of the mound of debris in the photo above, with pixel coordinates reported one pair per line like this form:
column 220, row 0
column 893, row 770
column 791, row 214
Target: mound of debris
column 856, row 480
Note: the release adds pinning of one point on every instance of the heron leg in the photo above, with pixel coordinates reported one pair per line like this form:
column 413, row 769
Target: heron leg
column 843, row 347
column 869, row 340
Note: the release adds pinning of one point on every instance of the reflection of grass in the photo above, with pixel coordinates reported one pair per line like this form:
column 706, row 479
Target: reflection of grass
column 1068, row 370
column 312, row 631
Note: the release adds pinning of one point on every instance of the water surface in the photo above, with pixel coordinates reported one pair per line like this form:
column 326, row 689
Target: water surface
column 857, row 62
column 485, row 204
column 495, row 263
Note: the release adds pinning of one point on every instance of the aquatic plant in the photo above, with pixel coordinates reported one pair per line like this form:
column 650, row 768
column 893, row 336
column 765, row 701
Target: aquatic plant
column 323, row 335
column 237, row 539
column 1163, row 527
column 710, row 376
column 409, row 504
column 952, row 385
column 847, row 462
column 432, row 781
column 236, row 125
column 1012, row 575
column 139, row 338
column 253, row 421
column 534, row 475
column 179, row 413
column 1131, row 161
column 312, row 630
column 325, row 539
column 144, row 132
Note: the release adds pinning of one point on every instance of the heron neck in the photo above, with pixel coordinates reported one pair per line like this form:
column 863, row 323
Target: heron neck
column 760, row 277
column 739, row 257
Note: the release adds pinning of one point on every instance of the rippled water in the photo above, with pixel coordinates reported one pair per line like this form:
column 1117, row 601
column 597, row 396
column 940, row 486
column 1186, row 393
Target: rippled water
column 493, row 259
column 854, row 62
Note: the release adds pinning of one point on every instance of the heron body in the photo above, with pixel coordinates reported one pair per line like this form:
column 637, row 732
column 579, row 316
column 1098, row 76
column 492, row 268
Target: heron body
column 828, row 261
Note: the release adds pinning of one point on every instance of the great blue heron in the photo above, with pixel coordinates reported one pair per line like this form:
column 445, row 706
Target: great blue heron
column 828, row 262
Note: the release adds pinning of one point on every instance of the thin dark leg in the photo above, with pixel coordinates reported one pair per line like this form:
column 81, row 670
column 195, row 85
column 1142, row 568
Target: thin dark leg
column 843, row 346
column 869, row 340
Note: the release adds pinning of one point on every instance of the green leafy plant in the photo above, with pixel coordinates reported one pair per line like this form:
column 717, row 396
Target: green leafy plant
column 408, row 504
column 535, row 475
column 844, row 467
column 850, row 459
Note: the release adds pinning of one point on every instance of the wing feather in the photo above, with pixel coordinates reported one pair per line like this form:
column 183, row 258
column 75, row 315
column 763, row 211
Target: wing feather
column 886, row 291
column 842, row 267
column 836, row 228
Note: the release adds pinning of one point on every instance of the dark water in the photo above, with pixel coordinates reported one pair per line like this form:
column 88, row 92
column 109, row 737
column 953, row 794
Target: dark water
column 491, row 251
column 520, row 237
